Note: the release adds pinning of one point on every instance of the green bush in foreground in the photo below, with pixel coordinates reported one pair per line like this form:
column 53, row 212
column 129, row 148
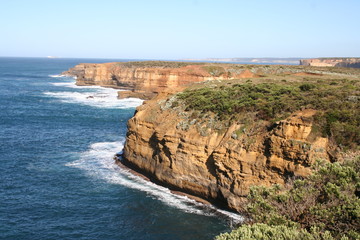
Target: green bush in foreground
column 281, row 232
column 326, row 205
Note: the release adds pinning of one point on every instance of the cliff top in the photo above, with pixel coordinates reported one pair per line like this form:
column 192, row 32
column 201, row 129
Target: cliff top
column 336, row 58
column 275, row 97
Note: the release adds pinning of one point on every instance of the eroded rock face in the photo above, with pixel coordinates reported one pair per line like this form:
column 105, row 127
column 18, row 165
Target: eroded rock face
column 219, row 164
column 149, row 80
column 332, row 62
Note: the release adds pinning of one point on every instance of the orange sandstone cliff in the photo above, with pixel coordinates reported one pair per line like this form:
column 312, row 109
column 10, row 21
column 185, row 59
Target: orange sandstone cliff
column 146, row 79
column 218, row 165
column 149, row 78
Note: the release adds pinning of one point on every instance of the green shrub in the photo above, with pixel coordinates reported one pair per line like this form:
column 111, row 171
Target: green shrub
column 215, row 71
column 280, row 232
column 329, row 200
column 338, row 114
column 157, row 64
column 306, row 87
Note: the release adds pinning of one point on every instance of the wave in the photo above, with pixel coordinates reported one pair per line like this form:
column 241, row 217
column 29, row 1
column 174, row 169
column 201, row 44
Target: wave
column 72, row 84
column 57, row 75
column 98, row 163
column 94, row 96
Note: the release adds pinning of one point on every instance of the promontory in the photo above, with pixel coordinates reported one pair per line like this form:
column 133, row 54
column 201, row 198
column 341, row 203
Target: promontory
column 214, row 130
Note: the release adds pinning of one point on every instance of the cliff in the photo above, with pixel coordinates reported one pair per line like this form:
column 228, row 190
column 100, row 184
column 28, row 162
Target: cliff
column 219, row 138
column 332, row 62
column 235, row 126
column 219, row 165
column 146, row 79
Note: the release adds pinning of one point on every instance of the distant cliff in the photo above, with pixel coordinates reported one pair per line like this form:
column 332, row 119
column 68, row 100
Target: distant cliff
column 332, row 62
column 149, row 78
column 146, row 79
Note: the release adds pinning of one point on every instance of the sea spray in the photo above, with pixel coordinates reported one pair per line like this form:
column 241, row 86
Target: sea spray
column 94, row 96
column 98, row 163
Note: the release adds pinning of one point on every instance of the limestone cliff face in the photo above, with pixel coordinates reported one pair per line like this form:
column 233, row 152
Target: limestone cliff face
column 332, row 62
column 222, row 164
column 147, row 81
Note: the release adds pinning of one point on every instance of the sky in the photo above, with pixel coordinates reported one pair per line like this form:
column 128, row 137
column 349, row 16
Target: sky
column 179, row 29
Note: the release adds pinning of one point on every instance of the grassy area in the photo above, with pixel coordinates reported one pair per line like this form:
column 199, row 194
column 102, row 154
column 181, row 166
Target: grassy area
column 216, row 69
column 157, row 64
column 337, row 102
column 326, row 205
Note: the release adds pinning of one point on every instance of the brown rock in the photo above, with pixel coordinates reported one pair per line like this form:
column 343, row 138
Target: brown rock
column 216, row 166
column 150, row 81
column 331, row 62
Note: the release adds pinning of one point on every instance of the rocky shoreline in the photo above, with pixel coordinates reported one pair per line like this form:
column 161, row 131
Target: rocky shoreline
column 138, row 172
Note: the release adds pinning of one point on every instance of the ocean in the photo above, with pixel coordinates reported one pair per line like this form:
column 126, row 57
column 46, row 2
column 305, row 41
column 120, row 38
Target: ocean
column 58, row 179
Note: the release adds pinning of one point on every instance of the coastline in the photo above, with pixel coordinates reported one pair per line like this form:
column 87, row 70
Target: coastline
column 144, row 176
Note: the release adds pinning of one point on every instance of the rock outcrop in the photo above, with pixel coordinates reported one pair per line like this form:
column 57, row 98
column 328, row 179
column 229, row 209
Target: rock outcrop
column 332, row 62
column 219, row 165
column 146, row 79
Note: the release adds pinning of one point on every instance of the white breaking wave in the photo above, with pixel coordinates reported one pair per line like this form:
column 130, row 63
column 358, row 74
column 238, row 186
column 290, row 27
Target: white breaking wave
column 72, row 84
column 94, row 96
column 57, row 75
column 98, row 162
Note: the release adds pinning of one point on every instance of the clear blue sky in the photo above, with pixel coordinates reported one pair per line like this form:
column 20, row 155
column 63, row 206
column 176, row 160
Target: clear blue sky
column 177, row 29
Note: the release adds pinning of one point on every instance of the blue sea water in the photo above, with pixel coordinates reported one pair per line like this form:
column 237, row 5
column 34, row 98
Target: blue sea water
column 57, row 176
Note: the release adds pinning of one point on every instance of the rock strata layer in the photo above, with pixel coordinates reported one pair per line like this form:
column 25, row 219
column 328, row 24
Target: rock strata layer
column 147, row 81
column 219, row 165
column 332, row 62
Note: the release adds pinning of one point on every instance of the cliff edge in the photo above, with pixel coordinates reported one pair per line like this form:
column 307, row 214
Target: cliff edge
column 217, row 139
column 332, row 62
column 220, row 165
column 149, row 78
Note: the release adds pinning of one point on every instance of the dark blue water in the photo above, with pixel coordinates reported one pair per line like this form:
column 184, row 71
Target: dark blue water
column 57, row 176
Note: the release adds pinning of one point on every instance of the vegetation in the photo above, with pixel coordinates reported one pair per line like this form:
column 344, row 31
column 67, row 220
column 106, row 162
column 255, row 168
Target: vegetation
column 214, row 71
column 337, row 102
column 158, row 64
column 280, row 232
column 326, row 205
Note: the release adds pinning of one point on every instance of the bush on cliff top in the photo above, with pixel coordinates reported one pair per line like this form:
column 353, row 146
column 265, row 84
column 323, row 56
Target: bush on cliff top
column 338, row 104
column 326, row 204
column 281, row 232
column 158, row 64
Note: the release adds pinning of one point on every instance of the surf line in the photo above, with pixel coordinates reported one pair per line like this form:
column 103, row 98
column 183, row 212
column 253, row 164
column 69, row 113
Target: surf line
column 234, row 217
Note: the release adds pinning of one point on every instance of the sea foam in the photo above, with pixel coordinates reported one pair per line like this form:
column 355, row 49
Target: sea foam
column 57, row 75
column 98, row 163
column 94, row 96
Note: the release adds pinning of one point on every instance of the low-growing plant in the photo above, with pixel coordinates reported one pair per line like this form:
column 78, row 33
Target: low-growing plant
column 214, row 71
column 157, row 64
column 338, row 114
column 329, row 200
column 280, row 232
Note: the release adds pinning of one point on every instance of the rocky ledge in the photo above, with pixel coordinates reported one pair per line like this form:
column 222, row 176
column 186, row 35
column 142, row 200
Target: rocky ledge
column 332, row 62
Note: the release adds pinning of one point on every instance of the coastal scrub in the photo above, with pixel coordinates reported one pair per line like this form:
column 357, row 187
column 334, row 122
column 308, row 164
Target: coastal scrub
column 326, row 205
